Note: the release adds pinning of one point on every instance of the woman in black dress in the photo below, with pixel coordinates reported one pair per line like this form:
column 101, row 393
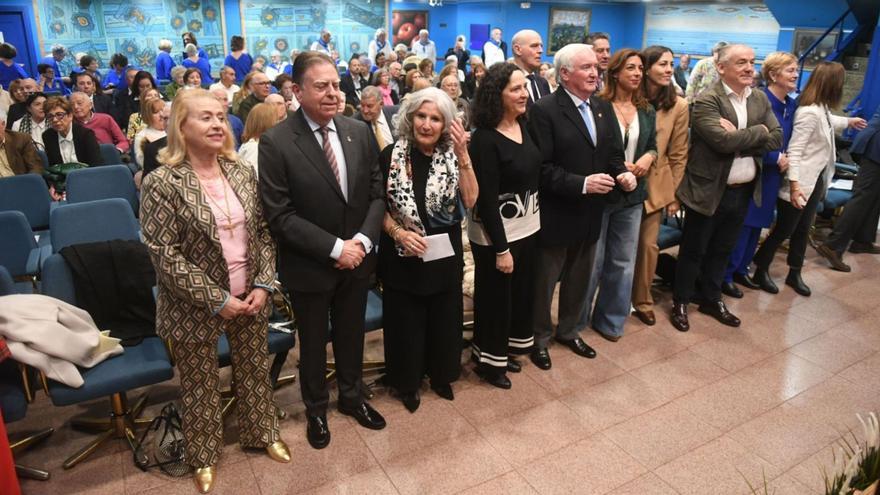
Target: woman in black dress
column 502, row 227
column 429, row 182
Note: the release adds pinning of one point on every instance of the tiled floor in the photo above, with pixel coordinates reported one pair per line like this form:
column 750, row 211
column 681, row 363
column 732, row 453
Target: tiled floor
column 660, row 412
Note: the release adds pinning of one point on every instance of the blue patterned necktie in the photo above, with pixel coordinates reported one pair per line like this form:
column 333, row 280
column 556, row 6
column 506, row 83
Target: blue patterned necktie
column 585, row 114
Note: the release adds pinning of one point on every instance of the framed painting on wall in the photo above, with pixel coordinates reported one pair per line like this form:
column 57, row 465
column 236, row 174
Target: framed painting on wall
column 406, row 24
column 567, row 25
column 804, row 38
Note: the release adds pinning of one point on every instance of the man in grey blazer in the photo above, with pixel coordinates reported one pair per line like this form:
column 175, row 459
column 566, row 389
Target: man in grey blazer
column 323, row 199
column 732, row 127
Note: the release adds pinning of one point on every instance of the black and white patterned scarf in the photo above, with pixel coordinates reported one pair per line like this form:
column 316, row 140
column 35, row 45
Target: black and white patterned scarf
column 441, row 191
column 26, row 124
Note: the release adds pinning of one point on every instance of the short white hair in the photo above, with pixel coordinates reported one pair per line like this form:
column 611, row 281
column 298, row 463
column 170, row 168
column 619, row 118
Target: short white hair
column 565, row 56
column 400, row 48
column 423, row 31
column 275, row 53
column 403, row 121
column 165, row 44
column 380, row 31
column 190, row 49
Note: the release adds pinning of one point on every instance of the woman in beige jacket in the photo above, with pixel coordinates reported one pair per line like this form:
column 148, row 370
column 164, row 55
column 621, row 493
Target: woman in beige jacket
column 664, row 175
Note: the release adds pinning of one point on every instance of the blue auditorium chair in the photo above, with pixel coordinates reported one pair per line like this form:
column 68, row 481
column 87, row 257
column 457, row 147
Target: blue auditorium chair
column 110, row 154
column 93, row 221
column 29, row 194
column 111, row 181
column 19, row 252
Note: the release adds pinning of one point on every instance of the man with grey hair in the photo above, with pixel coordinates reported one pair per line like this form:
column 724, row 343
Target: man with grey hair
column 164, row 62
column 582, row 162
column 424, row 47
column 527, row 50
column 276, row 66
column 377, row 116
column 494, row 49
column 704, row 75
column 260, row 87
column 395, row 70
column 227, row 84
column 731, row 129
column 323, row 42
column 379, row 44
column 18, row 155
column 277, row 101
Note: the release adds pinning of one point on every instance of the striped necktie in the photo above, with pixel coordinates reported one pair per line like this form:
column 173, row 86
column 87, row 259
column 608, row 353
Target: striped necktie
column 328, row 153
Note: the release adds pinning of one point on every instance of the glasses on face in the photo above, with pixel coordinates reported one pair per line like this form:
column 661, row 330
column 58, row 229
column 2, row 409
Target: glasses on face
column 264, row 83
column 56, row 115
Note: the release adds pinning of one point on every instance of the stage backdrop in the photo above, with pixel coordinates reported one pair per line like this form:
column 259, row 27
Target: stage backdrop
column 287, row 24
column 694, row 28
column 104, row 27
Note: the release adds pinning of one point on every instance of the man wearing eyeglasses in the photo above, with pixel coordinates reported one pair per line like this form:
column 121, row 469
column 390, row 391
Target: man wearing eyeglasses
column 260, row 87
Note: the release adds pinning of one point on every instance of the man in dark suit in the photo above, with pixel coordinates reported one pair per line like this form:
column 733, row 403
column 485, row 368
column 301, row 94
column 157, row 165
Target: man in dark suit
column 323, row 198
column 353, row 82
column 732, row 128
column 18, row 155
column 860, row 216
column 378, row 117
column 66, row 141
column 527, row 50
column 683, row 72
column 86, row 83
column 582, row 161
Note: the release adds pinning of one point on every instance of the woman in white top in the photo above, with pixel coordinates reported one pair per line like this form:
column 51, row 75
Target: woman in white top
column 155, row 113
column 260, row 119
column 811, row 155
column 34, row 121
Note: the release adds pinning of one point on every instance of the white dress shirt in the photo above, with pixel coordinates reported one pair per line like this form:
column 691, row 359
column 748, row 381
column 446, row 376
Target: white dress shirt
column 742, row 170
column 336, row 146
column 384, row 128
column 577, row 102
column 493, row 53
column 65, row 144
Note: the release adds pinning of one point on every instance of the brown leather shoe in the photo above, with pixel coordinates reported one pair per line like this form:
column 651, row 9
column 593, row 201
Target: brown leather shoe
column 646, row 317
column 679, row 317
column 833, row 258
column 869, row 248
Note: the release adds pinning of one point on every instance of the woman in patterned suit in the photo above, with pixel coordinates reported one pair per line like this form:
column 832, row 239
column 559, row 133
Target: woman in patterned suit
column 215, row 264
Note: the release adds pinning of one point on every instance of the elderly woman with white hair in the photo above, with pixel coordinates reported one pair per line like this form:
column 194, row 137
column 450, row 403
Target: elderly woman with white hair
column 379, row 44
column 164, row 62
column 424, row 47
column 193, row 61
column 322, row 44
column 429, row 183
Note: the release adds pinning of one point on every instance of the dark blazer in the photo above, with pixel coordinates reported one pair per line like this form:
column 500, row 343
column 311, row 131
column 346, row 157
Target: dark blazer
column 22, row 154
column 104, row 104
column 647, row 143
column 84, row 142
column 151, row 153
column 389, row 112
column 713, row 149
column 569, row 156
column 15, row 112
column 543, row 87
column 346, row 85
column 867, row 142
column 304, row 204
column 680, row 77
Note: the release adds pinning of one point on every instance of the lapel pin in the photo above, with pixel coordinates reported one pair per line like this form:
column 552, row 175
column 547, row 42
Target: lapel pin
column 348, row 138
column 600, row 115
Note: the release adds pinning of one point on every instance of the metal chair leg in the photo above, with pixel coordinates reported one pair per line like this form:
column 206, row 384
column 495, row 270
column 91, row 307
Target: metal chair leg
column 31, row 473
column 26, row 442
column 88, row 450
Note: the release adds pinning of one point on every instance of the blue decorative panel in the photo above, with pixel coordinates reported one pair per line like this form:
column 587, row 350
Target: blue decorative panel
column 695, row 28
column 102, row 28
column 287, row 24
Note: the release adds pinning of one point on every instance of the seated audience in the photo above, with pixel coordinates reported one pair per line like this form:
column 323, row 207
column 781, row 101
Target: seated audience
column 192, row 79
column 227, row 84
column 136, row 122
column 48, row 83
column 260, row 119
column 258, row 89
column 18, row 155
column 426, row 67
column 19, row 91
column 156, row 114
column 87, row 84
column 240, row 61
column 67, row 141
column 378, row 116
column 235, row 123
column 176, row 82
column 284, row 85
column 412, row 76
column 473, row 78
column 129, row 102
column 9, row 69
column 89, row 65
column 34, row 121
column 383, row 82
column 105, row 128
column 452, row 87
column 277, row 102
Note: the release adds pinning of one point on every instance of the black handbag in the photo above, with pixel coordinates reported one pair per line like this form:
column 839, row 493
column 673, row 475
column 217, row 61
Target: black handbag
column 168, row 445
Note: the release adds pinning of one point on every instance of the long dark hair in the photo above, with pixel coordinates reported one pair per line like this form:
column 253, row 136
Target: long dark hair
column 666, row 96
column 615, row 66
column 488, row 106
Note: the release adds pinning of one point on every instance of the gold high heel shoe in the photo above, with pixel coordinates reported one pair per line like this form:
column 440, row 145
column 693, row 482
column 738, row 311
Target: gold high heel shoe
column 278, row 451
column 204, row 478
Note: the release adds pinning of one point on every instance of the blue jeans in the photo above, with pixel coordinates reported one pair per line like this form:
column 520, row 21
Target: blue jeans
column 613, row 269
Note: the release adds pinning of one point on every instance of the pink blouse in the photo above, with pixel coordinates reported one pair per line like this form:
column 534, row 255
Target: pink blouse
column 231, row 230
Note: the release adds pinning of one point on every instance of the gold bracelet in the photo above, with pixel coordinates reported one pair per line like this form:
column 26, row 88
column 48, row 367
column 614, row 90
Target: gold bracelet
column 464, row 165
column 393, row 232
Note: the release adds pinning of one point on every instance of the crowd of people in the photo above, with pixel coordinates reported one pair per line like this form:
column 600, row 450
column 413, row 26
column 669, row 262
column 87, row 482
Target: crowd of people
column 330, row 177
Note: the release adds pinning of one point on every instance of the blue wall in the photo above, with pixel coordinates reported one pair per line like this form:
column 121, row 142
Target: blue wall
column 27, row 8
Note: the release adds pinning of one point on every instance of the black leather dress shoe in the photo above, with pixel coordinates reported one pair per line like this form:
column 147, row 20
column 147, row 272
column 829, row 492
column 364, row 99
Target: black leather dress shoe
column 443, row 390
column 833, row 258
column 730, row 289
column 579, row 347
column 679, row 317
column 495, row 379
column 858, row 247
column 762, row 278
column 513, row 365
column 745, row 281
column 317, row 431
column 411, row 401
column 541, row 359
column 719, row 311
column 795, row 281
column 646, row 317
column 365, row 415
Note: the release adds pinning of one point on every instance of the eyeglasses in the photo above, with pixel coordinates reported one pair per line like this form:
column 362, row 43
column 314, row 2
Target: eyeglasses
column 264, row 83
column 56, row 115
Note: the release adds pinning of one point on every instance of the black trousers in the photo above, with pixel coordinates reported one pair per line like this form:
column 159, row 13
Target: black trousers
column 794, row 224
column 706, row 244
column 503, row 303
column 422, row 336
column 861, row 214
column 345, row 306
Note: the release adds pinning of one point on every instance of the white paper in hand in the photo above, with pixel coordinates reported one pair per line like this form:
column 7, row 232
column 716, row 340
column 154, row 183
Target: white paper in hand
column 439, row 247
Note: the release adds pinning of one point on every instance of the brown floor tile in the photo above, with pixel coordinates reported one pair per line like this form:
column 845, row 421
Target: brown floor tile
column 809, row 472
column 720, row 466
column 511, row 483
column 679, row 374
column 594, row 465
column 370, row 482
column 484, row 404
column 98, row 475
column 639, row 349
column 787, row 485
column 778, row 332
column 728, row 402
column 863, row 330
column 533, row 433
column 784, row 374
column 232, row 479
column 731, row 353
column 447, row 467
column 832, row 351
column 837, row 401
column 648, row 484
column 825, row 311
column 615, row 401
column 571, row 372
column 864, row 371
column 660, row 435
column 853, row 294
